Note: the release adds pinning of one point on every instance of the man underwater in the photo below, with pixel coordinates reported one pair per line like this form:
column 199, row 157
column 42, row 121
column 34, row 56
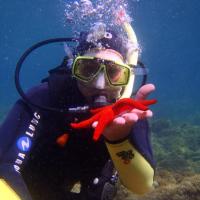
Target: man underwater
column 41, row 155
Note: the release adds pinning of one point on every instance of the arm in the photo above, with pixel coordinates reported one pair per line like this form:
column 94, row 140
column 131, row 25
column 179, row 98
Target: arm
column 129, row 147
column 7, row 192
column 17, row 137
column 12, row 152
column 133, row 159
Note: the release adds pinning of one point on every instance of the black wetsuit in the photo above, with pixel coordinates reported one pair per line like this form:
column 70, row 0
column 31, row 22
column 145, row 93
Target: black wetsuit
column 34, row 164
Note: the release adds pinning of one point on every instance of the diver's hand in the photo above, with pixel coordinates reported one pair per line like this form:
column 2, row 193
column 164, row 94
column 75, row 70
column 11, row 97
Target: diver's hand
column 122, row 124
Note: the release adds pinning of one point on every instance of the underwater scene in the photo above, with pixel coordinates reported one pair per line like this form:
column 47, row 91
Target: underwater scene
column 168, row 35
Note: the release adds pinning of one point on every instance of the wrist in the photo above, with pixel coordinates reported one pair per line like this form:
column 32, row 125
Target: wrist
column 117, row 135
column 116, row 140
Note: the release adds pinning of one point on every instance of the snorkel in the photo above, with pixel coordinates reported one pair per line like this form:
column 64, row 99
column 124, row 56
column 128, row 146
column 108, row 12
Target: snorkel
column 133, row 51
column 132, row 58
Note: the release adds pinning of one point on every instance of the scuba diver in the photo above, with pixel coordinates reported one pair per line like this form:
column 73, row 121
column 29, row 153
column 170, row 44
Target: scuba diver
column 42, row 156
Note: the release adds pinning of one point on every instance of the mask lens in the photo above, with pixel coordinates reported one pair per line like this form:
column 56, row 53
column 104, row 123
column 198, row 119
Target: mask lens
column 86, row 69
column 117, row 74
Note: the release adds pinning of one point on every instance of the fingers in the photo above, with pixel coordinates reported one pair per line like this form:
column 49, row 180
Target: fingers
column 136, row 115
column 117, row 121
column 132, row 117
column 129, row 118
column 142, row 114
column 148, row 114
column 144, row 91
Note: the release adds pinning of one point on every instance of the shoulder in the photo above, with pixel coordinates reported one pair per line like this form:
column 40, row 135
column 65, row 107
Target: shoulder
column 41, row 90
column 39, row 94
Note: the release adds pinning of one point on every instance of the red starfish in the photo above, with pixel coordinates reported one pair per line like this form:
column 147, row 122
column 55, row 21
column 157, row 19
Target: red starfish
column 105, row 115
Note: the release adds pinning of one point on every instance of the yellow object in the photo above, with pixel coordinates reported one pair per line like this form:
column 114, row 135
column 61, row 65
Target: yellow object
column 118, row 74
column 135, row 173
column 6, row 192
column 132, row 57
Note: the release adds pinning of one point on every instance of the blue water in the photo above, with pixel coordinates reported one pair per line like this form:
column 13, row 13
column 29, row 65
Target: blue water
column 168, row 32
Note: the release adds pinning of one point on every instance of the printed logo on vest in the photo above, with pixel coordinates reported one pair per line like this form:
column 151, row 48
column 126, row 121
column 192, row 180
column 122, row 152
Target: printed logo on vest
column 24, row 144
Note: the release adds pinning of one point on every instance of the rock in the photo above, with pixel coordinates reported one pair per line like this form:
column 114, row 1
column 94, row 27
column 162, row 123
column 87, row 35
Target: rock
column 171, row 186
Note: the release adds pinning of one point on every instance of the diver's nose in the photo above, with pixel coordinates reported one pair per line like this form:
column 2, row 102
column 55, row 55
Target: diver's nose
column 100, row 81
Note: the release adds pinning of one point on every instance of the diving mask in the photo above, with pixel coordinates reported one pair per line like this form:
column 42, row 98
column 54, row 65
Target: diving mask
column 86, row 68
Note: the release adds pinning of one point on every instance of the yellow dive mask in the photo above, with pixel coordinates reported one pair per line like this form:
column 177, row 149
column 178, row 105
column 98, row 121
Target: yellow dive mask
column 86, row 68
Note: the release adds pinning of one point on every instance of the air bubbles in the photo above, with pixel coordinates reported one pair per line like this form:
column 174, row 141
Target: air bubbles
column 97, row 31
column 86, row 8
column 80, row 15
column 76, row 4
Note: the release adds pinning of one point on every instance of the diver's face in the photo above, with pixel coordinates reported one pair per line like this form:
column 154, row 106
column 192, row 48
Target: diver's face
column 99, row 90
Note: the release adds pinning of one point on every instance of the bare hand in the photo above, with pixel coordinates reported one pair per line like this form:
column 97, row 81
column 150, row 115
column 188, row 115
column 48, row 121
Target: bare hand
column 122, row 124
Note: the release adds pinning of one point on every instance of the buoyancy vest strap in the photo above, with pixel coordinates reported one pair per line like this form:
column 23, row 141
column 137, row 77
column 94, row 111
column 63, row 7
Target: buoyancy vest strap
column 6, row 192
